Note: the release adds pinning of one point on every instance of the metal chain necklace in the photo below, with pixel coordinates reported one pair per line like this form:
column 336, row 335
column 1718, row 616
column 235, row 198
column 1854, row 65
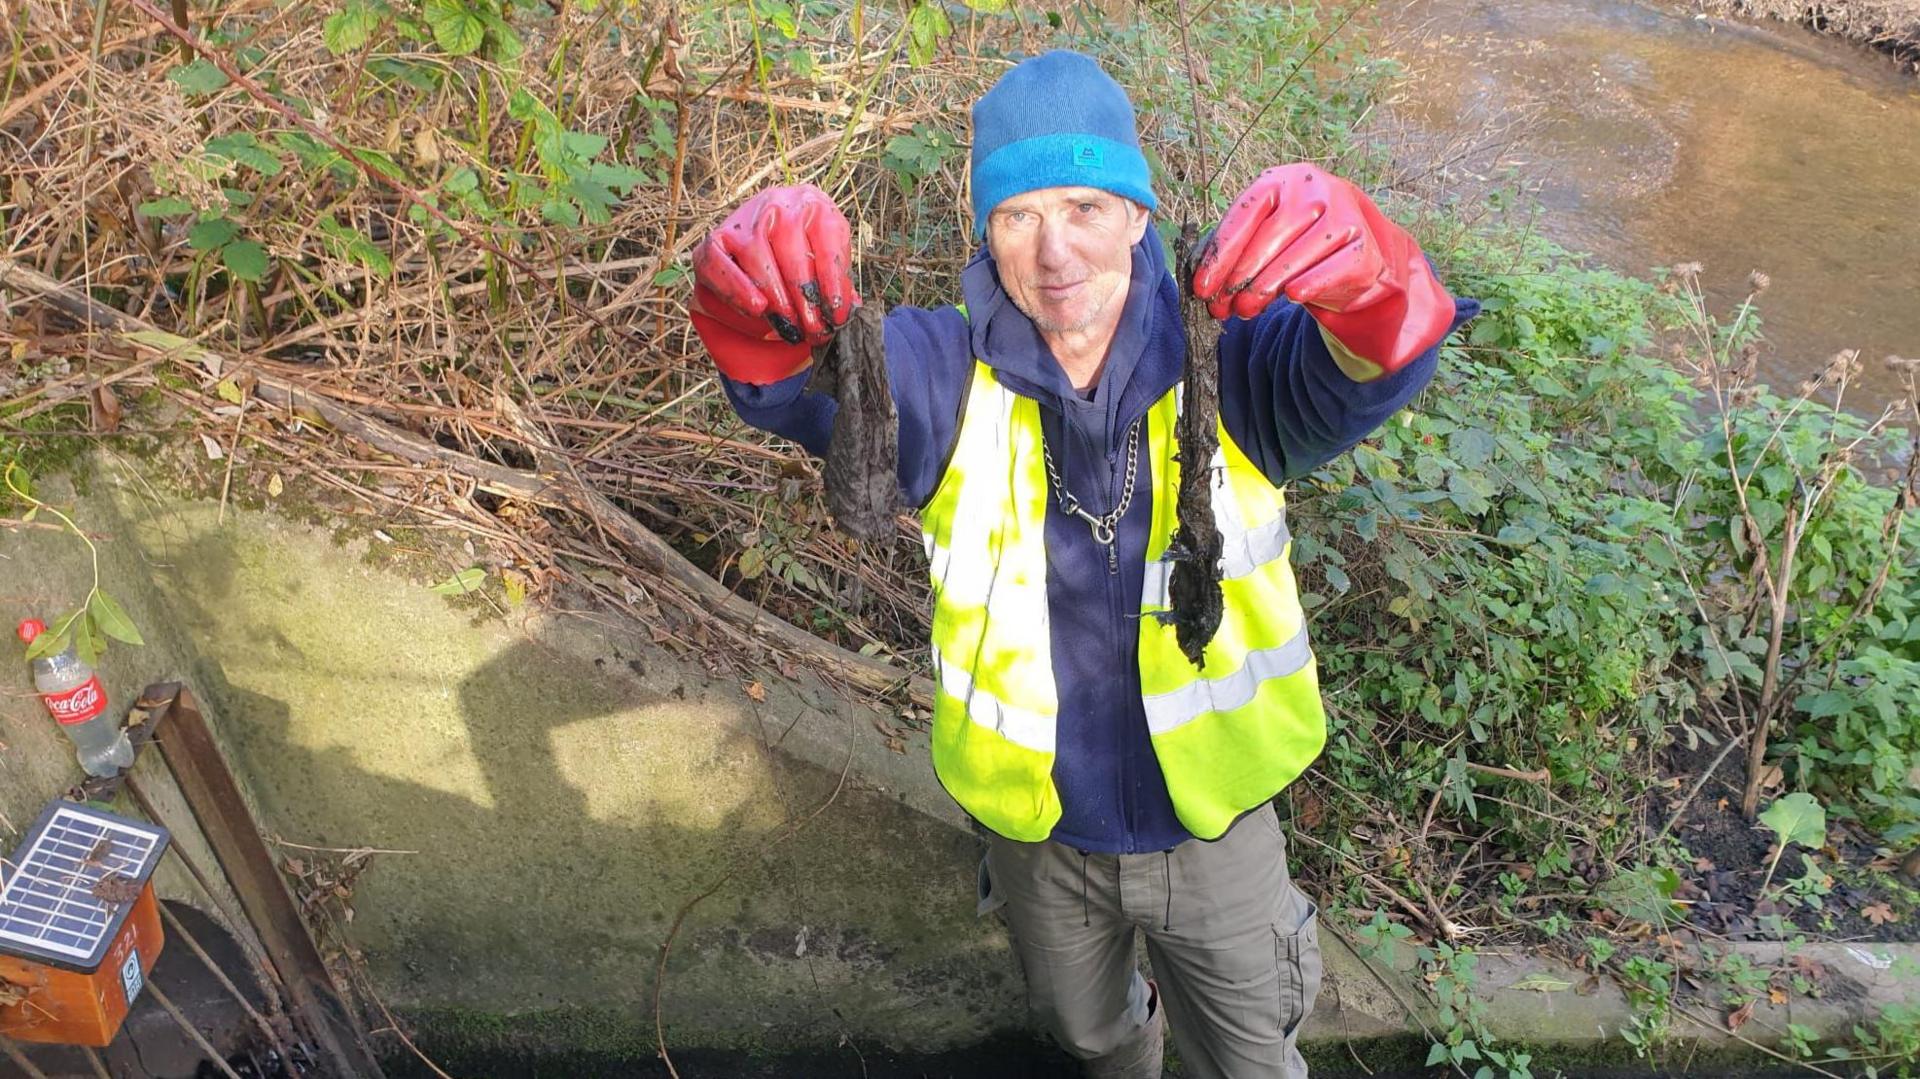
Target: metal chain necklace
column 1102, row 527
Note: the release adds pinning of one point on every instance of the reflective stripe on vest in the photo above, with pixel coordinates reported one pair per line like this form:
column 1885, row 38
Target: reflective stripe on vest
column 1228, row 736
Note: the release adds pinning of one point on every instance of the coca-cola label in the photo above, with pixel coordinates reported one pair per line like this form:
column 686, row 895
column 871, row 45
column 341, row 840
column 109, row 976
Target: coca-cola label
column 79, row 704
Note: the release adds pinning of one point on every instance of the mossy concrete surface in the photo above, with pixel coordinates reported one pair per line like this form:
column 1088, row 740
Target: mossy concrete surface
column 563, row 789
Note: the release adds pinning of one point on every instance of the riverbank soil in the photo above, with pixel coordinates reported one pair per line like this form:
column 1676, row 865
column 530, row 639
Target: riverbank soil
column 1891, row 26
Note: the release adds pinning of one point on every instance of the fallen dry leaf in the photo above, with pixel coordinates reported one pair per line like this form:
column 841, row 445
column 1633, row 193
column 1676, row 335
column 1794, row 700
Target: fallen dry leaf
column 106, row 409
column 1312, row 810
column 1771, row 777
column 1703, row 865
column 1777, row 995
column 1740, row 1015
column 1810, row 967
column 115, row 888
column 757, row 691
column 1879, row 914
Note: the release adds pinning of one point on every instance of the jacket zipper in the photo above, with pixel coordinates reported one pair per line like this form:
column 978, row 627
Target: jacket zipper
column 1128, row 811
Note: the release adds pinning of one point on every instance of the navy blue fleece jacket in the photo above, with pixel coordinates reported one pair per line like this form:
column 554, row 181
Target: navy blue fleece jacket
column 1283, row 399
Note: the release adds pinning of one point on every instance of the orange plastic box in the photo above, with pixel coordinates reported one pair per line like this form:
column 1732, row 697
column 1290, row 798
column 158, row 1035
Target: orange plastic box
column 79, row 925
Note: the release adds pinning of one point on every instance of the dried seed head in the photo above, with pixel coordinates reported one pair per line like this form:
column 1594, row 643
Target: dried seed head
column 1758, row 281
column 1898, row 364
column 1842, row 365
column 1807, row 387
column 1688, row 269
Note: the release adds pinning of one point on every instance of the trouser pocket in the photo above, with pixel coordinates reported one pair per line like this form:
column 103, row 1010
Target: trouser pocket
column 989, row 899
column 1296, row 944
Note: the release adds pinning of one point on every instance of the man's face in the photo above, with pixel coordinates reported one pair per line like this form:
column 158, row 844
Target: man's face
column 1064, row 253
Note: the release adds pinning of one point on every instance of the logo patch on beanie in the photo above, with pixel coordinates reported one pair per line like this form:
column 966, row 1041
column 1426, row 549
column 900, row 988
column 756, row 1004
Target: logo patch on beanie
column 1089, row 154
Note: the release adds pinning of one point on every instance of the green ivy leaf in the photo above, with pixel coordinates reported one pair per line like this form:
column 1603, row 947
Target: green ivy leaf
column 112, row 620
column 197, row 78
column 467, row 580
column 245, row 259
column 456, row 28
column 1797, row 818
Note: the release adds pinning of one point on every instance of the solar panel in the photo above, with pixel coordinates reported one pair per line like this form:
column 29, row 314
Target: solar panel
column 68, row 887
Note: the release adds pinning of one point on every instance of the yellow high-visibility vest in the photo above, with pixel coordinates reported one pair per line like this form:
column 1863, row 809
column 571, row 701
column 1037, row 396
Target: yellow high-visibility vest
column 1228, row 736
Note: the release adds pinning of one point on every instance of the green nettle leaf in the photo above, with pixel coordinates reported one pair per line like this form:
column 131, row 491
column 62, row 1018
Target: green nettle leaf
column 670, row 276
column 584, row 143
column 989, row 7
column 1337, row 578
column 211, row 233
column 1797, row 818
column 507, row 45
column 1470, row 446
column 926, row 25
column 247, row 149
column 349, row 29
column 245, row 259
column 166, row 207
column 456, row 28
column 112, row 620
column 780, row 15
column 467, row 580
column 199, row 77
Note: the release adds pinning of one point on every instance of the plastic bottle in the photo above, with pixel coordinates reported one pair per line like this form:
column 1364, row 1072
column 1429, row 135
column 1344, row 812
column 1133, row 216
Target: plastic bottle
column 75, row 699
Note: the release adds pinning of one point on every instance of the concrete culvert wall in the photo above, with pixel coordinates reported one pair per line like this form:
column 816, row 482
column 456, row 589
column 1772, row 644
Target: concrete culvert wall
column 566, row 788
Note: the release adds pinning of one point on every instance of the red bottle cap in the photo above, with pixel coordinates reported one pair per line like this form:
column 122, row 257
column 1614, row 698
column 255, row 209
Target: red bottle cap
column 30, row 629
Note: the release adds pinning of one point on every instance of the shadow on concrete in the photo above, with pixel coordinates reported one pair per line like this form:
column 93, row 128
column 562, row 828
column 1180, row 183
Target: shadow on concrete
column 567, row 890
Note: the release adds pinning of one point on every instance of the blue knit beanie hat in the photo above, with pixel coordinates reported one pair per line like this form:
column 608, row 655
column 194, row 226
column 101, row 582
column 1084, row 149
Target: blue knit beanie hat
column 1055, row 120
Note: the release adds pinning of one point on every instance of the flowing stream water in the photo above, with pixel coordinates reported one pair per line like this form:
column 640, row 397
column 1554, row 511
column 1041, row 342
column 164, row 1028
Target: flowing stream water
column 1652, row 137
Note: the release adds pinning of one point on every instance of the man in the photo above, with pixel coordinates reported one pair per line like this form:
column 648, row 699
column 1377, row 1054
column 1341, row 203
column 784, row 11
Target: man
column 1123, row 788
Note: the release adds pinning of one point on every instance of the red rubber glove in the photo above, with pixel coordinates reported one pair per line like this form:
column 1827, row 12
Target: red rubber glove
column 1319, row 239
column 772, row 281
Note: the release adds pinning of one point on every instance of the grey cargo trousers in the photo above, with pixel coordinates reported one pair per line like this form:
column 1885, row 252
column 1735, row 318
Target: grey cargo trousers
column 1234, row 947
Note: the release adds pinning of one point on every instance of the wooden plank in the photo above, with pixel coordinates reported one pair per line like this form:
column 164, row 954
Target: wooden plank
column 210, row 790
